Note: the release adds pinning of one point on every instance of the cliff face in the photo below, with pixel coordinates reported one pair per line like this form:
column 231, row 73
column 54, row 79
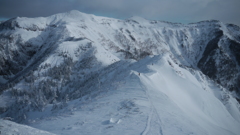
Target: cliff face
column 220, row 63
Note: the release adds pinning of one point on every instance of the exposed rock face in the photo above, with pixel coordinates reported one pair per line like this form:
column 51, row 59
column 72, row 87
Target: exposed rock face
column 220, row 60
column 14, row 54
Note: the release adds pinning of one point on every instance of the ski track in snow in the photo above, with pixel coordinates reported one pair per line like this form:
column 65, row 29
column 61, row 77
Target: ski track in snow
column 148, row 125
column 153, row 111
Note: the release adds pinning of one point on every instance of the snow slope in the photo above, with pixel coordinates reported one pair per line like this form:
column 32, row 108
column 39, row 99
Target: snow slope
column 74, row 73
column 165, row 99
column 12, row 128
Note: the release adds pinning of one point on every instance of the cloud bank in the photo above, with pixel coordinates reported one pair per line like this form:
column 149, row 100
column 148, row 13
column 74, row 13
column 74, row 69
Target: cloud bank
column 183, row 11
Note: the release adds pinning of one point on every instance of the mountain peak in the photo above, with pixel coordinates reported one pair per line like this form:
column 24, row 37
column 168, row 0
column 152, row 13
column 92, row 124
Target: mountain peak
column 75, row 12
column 138, row 19
column 73, row 15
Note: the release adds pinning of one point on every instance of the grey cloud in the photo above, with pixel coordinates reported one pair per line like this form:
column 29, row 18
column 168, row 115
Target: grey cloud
column 184, row 11
column 33, row 8
column 225, row 10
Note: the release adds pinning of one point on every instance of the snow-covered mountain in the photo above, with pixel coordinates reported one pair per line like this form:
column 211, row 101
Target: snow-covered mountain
column 74, row 73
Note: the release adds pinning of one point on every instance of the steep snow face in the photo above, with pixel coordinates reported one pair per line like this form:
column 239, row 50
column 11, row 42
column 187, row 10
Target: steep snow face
column 47, row 62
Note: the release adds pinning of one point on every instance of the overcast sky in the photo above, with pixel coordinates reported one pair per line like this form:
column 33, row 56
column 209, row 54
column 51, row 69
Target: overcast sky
column 183, row 11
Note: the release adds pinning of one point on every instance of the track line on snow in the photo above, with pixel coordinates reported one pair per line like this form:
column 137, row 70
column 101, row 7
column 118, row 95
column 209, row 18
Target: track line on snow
column 160, row 122
column 148, row 126
column 153, row 109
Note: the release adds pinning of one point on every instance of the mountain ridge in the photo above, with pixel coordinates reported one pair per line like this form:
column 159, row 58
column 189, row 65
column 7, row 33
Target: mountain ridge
column 81, row 16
